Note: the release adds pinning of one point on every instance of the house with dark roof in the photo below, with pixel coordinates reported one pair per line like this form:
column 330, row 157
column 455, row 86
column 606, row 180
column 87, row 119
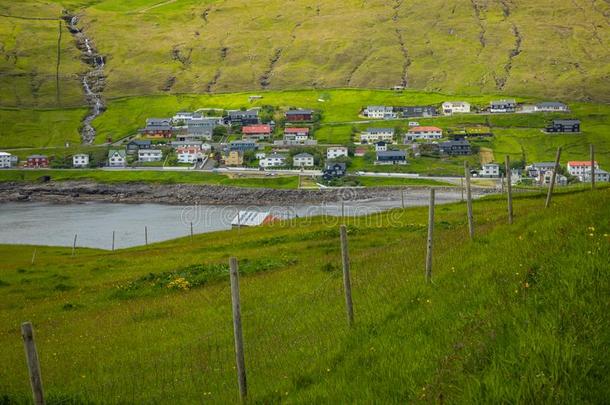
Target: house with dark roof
column 137, row 144
column 334, row 170
column 158, row 128
column 563, row 126
column 503, row 106
column 242, row 117
column 391, row 157
column 243, row 145
column 299, row 115
column 416, row 111
column 551, row 106
column 459, row 147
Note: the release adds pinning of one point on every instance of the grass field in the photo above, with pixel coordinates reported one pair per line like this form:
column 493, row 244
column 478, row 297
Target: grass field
column 541, row 48
column 150, row 176
column 520, row 315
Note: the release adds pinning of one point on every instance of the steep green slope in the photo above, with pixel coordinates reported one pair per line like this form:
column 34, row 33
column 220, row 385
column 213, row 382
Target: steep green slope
column 520, row 315
column 542, row 48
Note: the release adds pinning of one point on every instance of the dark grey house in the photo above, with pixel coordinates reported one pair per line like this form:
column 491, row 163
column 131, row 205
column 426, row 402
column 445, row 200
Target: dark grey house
column 391, row 157
column 243, row 145
column 135, row 145
column 459, row 147
column 333, row 170
column 503, row 106
column 416, row 111
column 242, row 117
column 564, row 126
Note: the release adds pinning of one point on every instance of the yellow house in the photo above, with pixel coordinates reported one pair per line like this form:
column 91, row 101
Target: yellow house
column 235, row 158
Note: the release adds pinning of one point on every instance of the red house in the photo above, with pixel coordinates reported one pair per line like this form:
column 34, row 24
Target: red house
column 260, row 131
column 299, row 115
column 37, row 161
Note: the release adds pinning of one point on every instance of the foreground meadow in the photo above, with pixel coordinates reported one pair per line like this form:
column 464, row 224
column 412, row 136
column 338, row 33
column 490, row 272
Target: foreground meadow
column 517, row 315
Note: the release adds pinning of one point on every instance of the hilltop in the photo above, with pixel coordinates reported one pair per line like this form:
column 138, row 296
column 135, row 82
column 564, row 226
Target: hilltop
column 519, row 315
column 543, row 48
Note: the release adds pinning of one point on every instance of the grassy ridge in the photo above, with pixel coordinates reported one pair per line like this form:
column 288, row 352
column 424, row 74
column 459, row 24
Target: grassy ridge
column 186, row 46
column 518, row 315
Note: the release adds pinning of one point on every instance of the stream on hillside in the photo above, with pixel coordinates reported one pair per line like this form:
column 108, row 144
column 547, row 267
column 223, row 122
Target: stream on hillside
column 93, row 81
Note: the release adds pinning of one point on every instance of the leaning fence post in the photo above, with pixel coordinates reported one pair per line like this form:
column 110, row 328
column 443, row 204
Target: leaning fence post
column 430, row 237
column 469, row 200
column 592, row 167
column 462, row 189
column 347, row 284
column 33, row 256
column 237, row 330
column 553, row 178
column 31, row 354
column 509, row 189
column 74, row 245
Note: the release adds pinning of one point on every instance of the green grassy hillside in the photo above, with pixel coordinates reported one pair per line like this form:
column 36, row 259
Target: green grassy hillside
column 520, row 315
column 543, row 48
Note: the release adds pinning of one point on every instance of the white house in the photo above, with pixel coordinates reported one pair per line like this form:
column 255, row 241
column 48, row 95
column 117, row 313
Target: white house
column 260, row 155
column 336, row 151
column 80, row 160
column 490, row 170
column 423, row 133
column 302, row 160
column 455, row 107
column 273, row 160
column 546, row 177
column 551, row 106
column 5, row 160
column 117, row 158
column 381, row 146
column 188, row 154
column 379, row 111
column 377, row 134
column 581, row 168
column 150, row 155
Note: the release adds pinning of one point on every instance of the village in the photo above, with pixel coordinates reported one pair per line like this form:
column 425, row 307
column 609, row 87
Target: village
column 268, row 140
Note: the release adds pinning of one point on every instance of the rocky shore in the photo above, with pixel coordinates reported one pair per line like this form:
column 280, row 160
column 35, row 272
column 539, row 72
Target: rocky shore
column 188, row 194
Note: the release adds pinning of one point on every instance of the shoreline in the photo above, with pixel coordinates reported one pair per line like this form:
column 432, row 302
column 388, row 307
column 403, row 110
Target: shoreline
column 69, row 192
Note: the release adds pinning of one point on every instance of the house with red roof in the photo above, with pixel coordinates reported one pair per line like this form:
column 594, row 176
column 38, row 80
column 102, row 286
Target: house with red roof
column 582, row 170
column 37, row 161
column 259, row 131
column 423, row 133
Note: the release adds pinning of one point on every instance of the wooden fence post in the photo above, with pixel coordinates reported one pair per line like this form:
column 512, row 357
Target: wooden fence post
column 342, row 209
column 146, row 235
column 509, row 189
column 34, row 256
column 592, row 167
column 430, row 242
column 191, row 231
column 237, row 330
column 31, row 354
column 402, row 198
column 113, row 241
column 469, row 200
column 549, row 194
column 74, row 245
column 347, row 284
